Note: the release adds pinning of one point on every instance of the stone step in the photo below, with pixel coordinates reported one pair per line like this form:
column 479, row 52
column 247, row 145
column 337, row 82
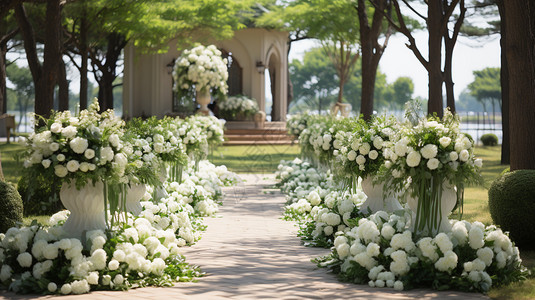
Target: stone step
column 259, row 142
column 258, row 137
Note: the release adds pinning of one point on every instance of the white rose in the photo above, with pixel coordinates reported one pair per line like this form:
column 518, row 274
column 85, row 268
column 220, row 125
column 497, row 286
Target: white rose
column 378, row 142
column 53, row 147
column 119, row 279
column 73, row 166
column 66, row 289
column 60, row 157
column 444, row 141
column 56, row 127
column 89, row 153
column 46, row 163
column 106, row 154
column 478, row 163
column 69, row 131
column 60, row 171
column 84, row 167
column 114, row 140
column 352, row 155
column 429, row 151
column 52, row 287
column 433, row 163
column 121, row 160
column 413, row 159
column 113, row 265
column 454, row 156
column 24, row 259
column 464, row 155
column 360, row 160
column 78, row 145
column 373, row 154
column 364, row 148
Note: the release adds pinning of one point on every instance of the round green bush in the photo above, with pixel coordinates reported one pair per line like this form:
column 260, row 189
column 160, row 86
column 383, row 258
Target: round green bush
column 512, row 206
column 489, row 139
column 11, row 204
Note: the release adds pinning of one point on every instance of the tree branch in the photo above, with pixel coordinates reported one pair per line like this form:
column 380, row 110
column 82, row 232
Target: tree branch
column 414, row 10
column 29, row 41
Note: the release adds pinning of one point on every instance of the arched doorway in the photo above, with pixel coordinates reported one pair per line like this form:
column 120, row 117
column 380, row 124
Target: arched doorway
column 273, row 87
column 235, row 74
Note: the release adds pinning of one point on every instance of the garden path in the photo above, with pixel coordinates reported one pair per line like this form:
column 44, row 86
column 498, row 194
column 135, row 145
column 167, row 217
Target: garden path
column 248, row 252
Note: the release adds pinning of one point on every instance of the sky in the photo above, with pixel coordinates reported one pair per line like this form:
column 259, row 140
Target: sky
column 469, row 55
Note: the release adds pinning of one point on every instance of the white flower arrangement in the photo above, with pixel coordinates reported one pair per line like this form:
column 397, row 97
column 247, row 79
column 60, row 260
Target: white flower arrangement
column 144, row 251
column 237, row 108
column 201, row 68
column 381, row 251
column 82, row 148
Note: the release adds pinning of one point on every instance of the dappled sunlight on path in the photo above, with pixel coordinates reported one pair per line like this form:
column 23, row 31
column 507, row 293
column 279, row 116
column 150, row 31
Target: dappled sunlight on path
column 248, row 252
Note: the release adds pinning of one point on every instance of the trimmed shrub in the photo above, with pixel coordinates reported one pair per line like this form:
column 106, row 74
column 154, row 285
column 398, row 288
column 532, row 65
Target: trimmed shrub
column 489, row 139
column 512, row 205
column 11, row 204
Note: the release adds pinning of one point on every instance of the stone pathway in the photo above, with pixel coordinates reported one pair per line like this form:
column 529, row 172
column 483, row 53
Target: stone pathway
column 247, row 252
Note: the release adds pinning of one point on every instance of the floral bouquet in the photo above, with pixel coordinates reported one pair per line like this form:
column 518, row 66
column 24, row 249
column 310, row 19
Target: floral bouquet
column 84, row 149
column 433, row 155
column 200, row 68
column 360, row 152
column 297, row 123
column 211, row 126
column 237, row 108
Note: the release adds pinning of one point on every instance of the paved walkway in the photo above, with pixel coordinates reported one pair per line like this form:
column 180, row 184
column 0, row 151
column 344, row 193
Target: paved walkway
column 249, row 253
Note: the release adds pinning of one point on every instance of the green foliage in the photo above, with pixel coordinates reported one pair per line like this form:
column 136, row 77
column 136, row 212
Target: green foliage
column 486, row 86
column 39, row 193
column 11, row 204
column 512, row 205
column 489, row 139
column 399, row 92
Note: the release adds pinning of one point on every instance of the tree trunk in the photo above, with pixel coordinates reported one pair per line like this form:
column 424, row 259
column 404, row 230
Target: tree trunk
column 520, row 49
column 44, row 76
column 63, row 83
column 504, row 79
column 448, row 77
column 434, row 17
column 3, row 89
column 116, row 43
column 83, row 66
column 371, row 52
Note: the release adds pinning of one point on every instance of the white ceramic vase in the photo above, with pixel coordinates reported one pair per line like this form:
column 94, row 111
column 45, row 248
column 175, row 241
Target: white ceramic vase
column 447, row 203
column 203, row 99
column 86, row 206
column 134, row 193
column 375, row 201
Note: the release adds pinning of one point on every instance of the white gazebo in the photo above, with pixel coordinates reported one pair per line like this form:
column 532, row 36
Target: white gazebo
column 255, row 54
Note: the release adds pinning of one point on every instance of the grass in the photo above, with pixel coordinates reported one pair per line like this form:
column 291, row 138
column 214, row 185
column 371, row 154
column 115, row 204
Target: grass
column 11, row 167
column 253, row 158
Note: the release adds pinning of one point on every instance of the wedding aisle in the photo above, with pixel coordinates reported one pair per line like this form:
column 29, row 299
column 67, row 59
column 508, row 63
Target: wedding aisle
column 248, row 252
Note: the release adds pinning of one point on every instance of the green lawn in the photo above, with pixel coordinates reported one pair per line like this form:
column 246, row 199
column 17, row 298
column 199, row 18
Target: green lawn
column 253, row 158
column 10, row 166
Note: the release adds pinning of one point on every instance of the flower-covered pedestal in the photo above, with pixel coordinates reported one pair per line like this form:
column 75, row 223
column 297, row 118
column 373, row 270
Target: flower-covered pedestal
column 375, row 201
column 86, row 206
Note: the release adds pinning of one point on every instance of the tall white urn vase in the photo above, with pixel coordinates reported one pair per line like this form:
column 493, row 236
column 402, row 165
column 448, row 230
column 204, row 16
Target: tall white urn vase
column 86, row 206
column 202, row 97
column 134, row 193
column 375, row 201
column 447, row 203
